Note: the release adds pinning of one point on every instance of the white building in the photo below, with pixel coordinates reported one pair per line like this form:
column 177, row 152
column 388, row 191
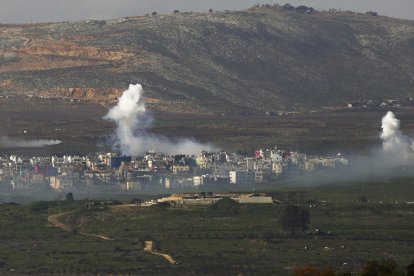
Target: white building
column 167, row 183
column 133, row 186
column 177, row 169
column 276, row 156
column 202, row 160
column 57, row 161
column 198, row 181
column 60, row 182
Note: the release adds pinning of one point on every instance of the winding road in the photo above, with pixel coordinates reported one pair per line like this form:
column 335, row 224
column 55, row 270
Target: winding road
column 148, row 248
column 54, row 219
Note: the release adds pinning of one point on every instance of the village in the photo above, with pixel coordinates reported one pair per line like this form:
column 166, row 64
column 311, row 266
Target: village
column 113, row 173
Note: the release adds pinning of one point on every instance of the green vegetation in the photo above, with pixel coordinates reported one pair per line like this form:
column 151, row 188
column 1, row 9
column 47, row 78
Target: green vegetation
column 295, row 218
column 263, row 58
column 384, row 267
column 225, row 238
column 226, row 206
column 410, row 269
column 69, row 197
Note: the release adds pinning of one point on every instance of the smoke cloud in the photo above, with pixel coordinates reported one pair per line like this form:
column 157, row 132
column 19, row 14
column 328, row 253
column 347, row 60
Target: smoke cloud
column 394, row 159
column 400, row 146
column 132, row 122
column 7, row 142
column 397, row 152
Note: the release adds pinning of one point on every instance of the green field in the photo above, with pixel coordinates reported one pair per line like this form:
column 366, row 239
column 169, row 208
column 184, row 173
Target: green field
column 248, row 239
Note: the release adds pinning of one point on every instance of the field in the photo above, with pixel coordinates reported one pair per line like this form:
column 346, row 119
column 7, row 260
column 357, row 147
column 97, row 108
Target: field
column 80, row 127
column 246, row 239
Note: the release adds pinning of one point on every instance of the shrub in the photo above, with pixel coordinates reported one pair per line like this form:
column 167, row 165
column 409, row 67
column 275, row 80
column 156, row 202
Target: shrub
column 294, row 218
column 40, row 206
column 374, row 267
column 226, row 205
column 161, row 205
column 410, row 269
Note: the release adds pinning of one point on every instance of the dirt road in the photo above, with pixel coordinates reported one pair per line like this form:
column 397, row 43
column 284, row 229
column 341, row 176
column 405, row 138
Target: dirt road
column 148, row 248
column 54, row 219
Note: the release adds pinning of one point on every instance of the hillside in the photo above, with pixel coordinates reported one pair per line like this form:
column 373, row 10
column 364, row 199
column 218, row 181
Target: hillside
column 259, row 59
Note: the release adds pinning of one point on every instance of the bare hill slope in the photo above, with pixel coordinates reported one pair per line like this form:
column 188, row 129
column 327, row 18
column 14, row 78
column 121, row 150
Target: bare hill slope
column 264, row 59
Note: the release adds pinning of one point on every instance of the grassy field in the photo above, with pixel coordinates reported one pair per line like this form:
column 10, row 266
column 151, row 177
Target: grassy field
column 248, row 239
column 82, row 130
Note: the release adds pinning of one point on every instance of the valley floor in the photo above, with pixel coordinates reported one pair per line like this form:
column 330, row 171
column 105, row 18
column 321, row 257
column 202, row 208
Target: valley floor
column 80, row 127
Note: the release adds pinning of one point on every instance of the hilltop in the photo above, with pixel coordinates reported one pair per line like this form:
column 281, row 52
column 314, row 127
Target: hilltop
column 263, row 58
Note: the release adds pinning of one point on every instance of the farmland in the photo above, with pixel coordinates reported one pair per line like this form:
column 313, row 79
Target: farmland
column 248, row 239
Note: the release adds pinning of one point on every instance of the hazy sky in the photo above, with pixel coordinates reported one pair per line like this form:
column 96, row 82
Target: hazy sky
column 18, row 11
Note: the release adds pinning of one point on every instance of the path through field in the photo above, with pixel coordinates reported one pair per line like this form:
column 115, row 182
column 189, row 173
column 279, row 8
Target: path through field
column 54, row 219
column 148, row 248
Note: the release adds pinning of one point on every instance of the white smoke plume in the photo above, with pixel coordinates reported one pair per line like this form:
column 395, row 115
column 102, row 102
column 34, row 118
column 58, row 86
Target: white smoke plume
column 132, row 123
column 395, row 143
column 7, row 142
column 394, row 159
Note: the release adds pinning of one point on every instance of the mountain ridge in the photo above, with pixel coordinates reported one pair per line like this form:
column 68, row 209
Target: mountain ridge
column 263, row 59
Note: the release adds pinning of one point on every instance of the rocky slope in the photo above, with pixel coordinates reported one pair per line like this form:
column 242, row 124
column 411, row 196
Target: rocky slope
column 265, row 59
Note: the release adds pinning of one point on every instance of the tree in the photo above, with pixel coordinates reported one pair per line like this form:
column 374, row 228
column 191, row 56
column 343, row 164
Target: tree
column 301, row 8
column 410, row 269
column 135, row 200
column 161, row 205
column 226, row 205
column 180, row 158
column 288, row 7
column 69, row 197
column 371, row 13
column 363, row 199
column 189, row 161
column 294, row 218
column 374, row 268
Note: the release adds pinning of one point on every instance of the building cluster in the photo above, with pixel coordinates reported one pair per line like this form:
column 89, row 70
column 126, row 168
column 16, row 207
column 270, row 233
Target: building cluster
column 381, row 104
column 111, row 172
